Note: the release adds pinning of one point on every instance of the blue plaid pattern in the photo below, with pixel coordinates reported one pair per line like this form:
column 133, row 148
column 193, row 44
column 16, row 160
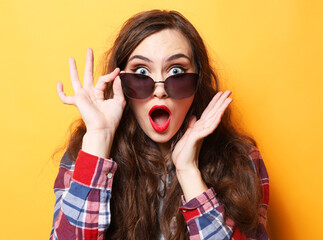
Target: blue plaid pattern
column 82, row 208
column 211, row 226
column 83, row 194
column 204, row 214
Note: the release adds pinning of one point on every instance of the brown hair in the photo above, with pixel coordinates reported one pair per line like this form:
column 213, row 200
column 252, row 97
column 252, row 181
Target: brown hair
column 140, row 185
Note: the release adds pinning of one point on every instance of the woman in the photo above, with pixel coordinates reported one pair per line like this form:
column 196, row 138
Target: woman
column 158, row 116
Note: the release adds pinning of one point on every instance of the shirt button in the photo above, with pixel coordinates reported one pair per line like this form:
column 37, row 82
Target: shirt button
column 184, row 210
column 110, row 175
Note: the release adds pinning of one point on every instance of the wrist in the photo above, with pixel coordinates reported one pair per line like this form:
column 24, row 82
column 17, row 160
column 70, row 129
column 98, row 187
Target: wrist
column 191, row 182
column 98, row 143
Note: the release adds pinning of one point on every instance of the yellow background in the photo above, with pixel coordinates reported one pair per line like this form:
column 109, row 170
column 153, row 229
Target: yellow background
column 269, row 53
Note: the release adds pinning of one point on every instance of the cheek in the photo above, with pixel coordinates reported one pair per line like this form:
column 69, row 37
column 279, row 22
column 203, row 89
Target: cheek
column 138, row 110
column 181, row 110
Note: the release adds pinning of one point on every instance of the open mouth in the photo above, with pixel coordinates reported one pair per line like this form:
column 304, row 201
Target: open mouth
column 159, row 116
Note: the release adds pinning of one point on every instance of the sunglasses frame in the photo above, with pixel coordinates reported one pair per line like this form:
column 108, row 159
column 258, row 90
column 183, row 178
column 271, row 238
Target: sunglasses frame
column 194, row 75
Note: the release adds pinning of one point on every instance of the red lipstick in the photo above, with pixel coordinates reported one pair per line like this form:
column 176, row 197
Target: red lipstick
column 159, row 117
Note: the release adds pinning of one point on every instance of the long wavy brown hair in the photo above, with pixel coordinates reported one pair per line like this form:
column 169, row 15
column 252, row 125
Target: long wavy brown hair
column 146, row 194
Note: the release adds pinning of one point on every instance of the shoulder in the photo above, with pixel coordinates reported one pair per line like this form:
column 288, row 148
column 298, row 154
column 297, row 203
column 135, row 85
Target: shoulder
column 257, row 164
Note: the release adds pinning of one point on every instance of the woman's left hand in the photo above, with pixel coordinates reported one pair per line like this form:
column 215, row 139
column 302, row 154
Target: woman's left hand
column 186, row 151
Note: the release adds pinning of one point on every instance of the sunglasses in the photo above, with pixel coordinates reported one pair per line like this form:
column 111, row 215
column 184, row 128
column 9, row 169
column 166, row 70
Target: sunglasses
column 140, row 86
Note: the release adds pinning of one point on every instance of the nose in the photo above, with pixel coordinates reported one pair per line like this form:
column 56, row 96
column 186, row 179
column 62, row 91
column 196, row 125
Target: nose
column 160, row 90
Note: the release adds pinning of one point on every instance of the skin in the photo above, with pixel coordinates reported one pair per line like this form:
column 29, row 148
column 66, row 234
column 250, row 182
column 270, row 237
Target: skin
column 159, row 56
column 102, row 116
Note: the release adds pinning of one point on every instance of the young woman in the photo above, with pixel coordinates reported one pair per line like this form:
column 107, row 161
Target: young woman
column 155, row 155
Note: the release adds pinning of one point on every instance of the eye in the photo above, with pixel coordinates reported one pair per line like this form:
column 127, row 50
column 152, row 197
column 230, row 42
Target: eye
column 176, row 70
column 142, row 70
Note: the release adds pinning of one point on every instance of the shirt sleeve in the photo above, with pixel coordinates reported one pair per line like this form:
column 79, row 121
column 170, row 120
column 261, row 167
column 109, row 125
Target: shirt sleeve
column 204, row 214
column 83, row 193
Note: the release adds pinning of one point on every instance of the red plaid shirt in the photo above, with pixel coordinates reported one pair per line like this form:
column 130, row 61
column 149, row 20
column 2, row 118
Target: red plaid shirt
column 83, row 193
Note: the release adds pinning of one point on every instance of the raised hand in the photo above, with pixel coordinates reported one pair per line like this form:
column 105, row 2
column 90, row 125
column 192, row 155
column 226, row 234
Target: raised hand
column 186, row 151
column 101, row 116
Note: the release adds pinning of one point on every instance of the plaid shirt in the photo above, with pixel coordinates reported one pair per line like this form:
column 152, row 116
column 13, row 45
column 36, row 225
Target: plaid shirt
column 83, row 193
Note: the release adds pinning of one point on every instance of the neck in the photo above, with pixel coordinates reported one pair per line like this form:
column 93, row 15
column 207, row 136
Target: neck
column 164, row 148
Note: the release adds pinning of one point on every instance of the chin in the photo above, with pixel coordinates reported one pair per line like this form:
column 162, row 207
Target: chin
column 160, row 138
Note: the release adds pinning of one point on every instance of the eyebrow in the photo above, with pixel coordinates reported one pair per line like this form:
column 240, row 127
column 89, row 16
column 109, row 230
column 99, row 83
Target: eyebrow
column 173, row 57
column 139, row 57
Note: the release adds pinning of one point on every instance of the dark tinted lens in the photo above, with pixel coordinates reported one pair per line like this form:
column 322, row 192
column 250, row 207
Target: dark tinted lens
column 136, row 86
column 181, row 86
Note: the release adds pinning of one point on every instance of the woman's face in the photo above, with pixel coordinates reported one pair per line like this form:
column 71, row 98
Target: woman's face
column 159, row 56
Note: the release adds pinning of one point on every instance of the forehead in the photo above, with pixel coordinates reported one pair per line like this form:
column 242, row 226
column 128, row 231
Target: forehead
column 162, row 44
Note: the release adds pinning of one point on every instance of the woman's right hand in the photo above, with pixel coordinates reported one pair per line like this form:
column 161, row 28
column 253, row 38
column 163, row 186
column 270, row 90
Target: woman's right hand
column 101, row 116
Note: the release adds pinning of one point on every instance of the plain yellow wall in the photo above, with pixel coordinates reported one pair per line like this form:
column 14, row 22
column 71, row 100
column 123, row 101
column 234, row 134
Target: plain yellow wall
column 269, row 53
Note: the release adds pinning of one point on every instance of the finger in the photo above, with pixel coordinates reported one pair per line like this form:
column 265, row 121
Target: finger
column 105, row 79
column 212, row 122
column 74, row 75
column 117, row 90
column 192, row 122
column 215, row 122
column 211, row 103
column 224, row 106
column 88, row 71
column 215, row 104
column 65, row 99
column 223, row 97
column 223, row 101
